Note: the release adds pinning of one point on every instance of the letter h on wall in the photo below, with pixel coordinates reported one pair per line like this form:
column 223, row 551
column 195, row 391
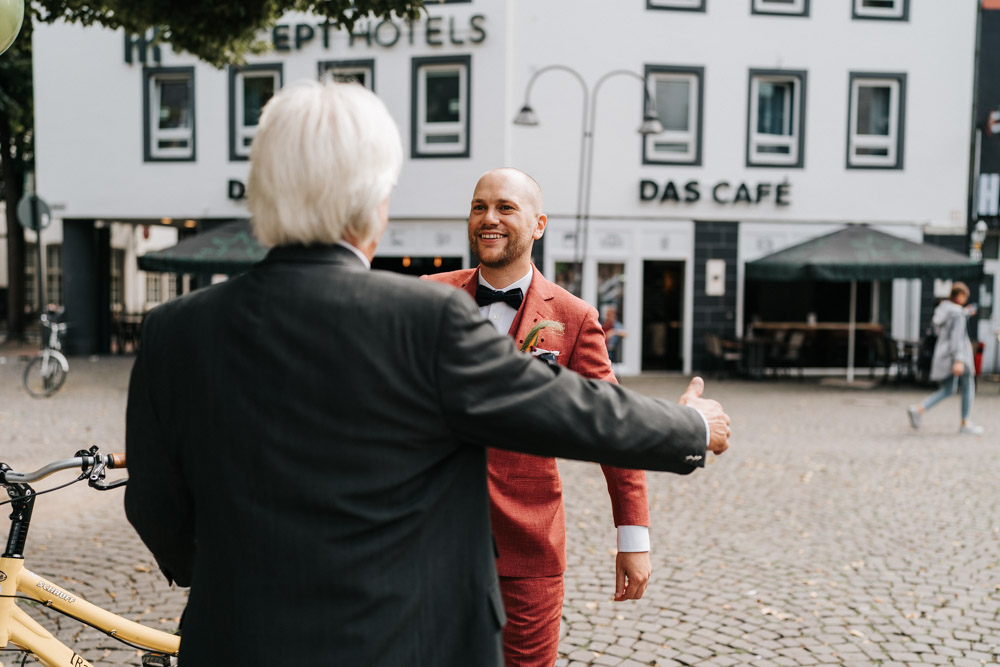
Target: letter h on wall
column 142, row 43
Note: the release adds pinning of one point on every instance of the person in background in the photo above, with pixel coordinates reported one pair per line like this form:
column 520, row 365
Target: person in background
column 953, row 361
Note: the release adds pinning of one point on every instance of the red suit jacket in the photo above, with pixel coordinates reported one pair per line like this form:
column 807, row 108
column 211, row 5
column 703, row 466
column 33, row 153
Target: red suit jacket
column 526, row 507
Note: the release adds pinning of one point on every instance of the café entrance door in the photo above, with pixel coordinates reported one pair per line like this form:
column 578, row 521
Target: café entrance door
column 662, row 315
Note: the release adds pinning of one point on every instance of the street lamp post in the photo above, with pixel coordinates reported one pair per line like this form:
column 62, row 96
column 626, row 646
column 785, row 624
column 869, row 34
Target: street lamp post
column 650, row 125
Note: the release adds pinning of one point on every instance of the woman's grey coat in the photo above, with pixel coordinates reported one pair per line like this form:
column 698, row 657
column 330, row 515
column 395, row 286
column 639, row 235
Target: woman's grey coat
column 953, row 342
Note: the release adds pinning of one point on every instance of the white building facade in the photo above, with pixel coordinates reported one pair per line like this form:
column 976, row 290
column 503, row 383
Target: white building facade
column 783, row 120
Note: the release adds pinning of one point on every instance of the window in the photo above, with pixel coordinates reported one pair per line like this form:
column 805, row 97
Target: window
column 250, row 87
column 53, row 274
column 688, row 5
column 168, row 105
column 677, row 92
column 440, row 117
column 776, row 118
column 30, row 276
column 153, row 292
column 362, row 71
column 782, row 7
column 875, row 124
column 117, row 280
column 892, row 10
column 171, row 286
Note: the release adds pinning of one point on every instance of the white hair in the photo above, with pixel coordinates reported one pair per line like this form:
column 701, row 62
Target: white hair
column 325, row 156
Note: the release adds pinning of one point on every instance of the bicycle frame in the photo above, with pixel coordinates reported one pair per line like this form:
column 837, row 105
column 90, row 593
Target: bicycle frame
column 50, row 356
column 18, row 628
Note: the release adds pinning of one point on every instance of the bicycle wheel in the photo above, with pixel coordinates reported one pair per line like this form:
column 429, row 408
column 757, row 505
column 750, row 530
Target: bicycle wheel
column 44, row 376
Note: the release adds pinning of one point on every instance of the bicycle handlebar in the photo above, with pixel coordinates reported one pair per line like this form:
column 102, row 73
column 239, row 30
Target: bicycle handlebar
column 82, row 462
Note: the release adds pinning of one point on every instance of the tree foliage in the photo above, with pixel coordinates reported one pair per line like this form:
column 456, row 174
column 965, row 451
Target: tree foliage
column 217, row 32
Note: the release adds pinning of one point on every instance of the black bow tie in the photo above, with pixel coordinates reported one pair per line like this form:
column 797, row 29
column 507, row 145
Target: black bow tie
column 485, row 296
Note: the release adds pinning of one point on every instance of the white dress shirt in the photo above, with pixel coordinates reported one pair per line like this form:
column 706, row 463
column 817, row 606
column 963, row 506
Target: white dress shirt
column 357, row 252
column 501, row 316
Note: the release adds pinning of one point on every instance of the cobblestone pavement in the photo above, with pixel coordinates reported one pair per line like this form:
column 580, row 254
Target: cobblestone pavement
column 829, row 534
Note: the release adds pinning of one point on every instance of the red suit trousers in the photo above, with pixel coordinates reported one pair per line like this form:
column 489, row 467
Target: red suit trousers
column 534, row 608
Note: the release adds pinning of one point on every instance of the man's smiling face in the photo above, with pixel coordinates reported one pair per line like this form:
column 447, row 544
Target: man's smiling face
column 505, row 218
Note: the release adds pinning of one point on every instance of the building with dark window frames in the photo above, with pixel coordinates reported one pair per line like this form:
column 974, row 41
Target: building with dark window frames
column 783, row 120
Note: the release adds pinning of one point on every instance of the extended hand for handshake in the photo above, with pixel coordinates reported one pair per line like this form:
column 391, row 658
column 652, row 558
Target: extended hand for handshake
column 718, row 420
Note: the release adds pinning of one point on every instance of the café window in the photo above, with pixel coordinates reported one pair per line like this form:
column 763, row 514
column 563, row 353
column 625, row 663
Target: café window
column 892, row 10
column 677, row 92
column 154, row 289
column 686, row 5
column 776, row 118
column 875, row 124
column 53, row 274
column 250, row 87
column 172, row 286
column 30, row 277
column 780, row 7
column 117, row 280
column 362, row 71
column 168, row 103
column 440, row 118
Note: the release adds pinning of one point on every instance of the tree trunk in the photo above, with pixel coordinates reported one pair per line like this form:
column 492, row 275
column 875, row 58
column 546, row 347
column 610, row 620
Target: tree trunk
column 13, row 182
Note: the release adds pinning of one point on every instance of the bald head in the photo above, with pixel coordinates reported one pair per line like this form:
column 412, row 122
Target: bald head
column 505, row 220
column 521, row 183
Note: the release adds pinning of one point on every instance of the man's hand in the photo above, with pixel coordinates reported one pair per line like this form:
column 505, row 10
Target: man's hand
column 957, row 368
column 632, row 570
column 718, row 421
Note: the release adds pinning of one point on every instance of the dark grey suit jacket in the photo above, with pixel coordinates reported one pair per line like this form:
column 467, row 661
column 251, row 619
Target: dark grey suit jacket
column 306, row 447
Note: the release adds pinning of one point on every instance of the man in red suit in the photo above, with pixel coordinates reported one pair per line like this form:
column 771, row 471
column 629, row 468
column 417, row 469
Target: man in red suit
column 525, row 490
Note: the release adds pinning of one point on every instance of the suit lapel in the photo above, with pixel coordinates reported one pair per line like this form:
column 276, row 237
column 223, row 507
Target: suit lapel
column 537, row 306
column 471, row 283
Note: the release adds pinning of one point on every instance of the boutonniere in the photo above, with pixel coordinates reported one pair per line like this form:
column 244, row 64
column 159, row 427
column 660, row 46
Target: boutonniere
column 529, row 341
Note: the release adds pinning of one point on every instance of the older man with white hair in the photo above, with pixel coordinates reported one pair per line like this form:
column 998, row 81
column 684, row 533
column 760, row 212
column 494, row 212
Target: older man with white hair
column 307, row 441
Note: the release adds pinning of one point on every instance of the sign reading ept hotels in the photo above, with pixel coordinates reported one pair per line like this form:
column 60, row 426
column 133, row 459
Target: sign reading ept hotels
column 386, row 33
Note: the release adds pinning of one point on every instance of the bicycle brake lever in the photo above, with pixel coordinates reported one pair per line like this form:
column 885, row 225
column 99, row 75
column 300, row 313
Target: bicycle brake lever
column 101, row 486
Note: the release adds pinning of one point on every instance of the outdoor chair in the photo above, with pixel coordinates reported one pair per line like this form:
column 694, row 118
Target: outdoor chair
column 725, row 355
column 789, row 355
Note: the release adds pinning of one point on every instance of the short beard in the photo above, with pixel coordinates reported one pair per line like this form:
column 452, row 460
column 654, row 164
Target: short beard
column 512, row 252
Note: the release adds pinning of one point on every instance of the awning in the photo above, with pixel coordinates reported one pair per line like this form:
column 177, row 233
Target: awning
column 230, row 248
column 861, row 253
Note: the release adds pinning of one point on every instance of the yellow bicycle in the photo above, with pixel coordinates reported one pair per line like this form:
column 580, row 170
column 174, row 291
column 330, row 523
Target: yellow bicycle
column 19, row 630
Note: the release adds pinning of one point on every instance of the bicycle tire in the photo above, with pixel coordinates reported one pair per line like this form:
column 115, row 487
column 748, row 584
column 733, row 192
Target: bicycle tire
column 43, row 386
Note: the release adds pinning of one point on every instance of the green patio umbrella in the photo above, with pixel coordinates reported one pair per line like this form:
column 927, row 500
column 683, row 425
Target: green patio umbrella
column 858, row 253
column 230, row 248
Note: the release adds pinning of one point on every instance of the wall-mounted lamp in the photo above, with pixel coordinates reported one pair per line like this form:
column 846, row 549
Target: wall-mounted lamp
column 650, row 125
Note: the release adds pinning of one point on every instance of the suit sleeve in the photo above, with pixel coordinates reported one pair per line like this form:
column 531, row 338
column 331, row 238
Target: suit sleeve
column 627, row 487
column 157, row 503
column 494, row 396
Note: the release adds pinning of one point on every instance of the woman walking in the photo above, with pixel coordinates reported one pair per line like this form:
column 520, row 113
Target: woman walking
column 952, row 364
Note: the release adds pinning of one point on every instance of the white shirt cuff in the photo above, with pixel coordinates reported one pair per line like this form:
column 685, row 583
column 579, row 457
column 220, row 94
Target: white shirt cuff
column 708, row 431
column 633, row 538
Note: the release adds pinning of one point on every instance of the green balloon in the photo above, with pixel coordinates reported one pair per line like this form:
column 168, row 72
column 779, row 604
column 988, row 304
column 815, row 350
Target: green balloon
column 11, row 15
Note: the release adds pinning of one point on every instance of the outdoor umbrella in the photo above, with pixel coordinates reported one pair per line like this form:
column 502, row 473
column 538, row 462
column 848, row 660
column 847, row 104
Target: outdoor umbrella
column 858, row 253
column 230, row 248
